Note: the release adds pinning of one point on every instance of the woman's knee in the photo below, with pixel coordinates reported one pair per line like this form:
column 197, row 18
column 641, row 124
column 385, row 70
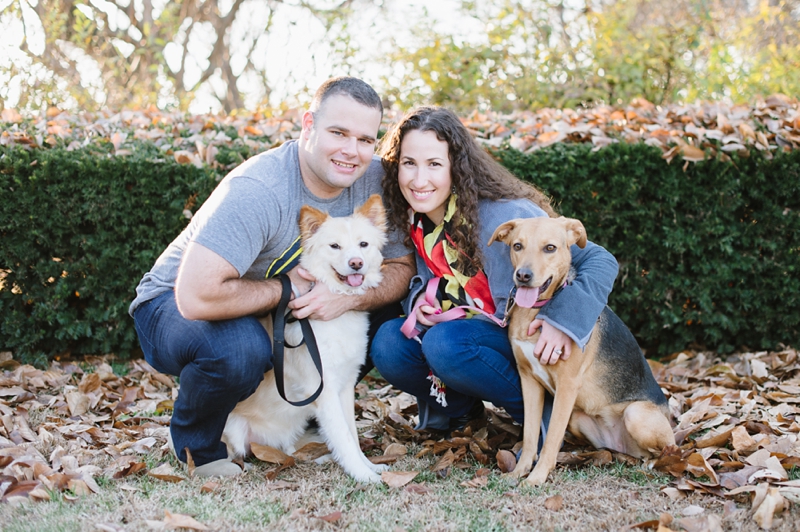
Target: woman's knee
column 442, row 347
column 391, row 351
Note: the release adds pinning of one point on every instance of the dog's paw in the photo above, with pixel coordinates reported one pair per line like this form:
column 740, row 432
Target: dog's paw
column 378, row 468
column 519, row 471
column 537, row 477
column 369, row 477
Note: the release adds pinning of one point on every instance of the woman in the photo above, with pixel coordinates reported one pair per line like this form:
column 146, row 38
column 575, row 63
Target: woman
column 450, row 195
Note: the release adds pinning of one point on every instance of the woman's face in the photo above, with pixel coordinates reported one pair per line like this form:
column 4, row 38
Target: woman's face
column 424, row 173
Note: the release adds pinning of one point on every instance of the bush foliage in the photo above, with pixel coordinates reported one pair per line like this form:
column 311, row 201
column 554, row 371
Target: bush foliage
column 708, row 254
column 78, row 230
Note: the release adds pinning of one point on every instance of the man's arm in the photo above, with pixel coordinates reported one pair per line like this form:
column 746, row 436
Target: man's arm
column 208, row 287
column 321, row 304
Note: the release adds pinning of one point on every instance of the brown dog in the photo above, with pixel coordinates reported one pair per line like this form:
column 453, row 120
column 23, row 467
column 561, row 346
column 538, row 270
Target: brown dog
column 605, row 393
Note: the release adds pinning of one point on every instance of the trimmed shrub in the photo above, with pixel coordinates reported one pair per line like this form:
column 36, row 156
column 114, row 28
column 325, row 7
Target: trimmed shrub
column 78, row 229
column 708, row 255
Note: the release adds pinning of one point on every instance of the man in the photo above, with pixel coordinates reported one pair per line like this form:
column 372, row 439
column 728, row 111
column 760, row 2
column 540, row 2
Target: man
column 195, row 311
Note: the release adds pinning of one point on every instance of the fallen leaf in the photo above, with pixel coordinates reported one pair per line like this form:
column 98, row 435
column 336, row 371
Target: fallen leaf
column 554, row 503
column 265, row 453
column 741, row 440
column 395, row 449
column 166, row 472
column 210, row 487
column 693, row 510
column 280, row 485
column 506, row 461
column 311, row 451
column 476, row 482
column 182, row 521
column 398, row 479
column 445, row 461
column 419, row 489
column 331, row 517
column 773, row 504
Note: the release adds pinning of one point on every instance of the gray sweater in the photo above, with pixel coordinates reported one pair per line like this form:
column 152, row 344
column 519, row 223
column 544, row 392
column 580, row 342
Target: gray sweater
column 576, row 307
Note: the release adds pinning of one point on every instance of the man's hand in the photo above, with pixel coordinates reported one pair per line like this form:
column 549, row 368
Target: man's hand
column 321, row 304
column 302, row 281
column 552, row 345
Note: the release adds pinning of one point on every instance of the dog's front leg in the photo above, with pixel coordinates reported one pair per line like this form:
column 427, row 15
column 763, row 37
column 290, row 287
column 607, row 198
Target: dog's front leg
column 336, row 430
column 563, row 403
column 533, row 401
column 347, row 398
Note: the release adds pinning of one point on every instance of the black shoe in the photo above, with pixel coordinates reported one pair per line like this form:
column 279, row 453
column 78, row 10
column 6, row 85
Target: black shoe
column 478, row 411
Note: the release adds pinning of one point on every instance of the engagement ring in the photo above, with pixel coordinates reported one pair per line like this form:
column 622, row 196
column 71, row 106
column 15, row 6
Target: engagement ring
column 558, row 352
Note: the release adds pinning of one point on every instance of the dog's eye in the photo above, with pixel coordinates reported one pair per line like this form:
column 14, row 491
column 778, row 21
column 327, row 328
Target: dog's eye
column 335, row 246
column 517, row 246
column 550, row 248
column 364, row 244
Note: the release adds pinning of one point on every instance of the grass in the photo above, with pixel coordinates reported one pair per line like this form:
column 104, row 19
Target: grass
column 594, row 498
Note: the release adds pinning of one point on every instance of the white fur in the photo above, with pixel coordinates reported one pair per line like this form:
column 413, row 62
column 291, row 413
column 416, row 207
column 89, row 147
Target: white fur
column 264, row 417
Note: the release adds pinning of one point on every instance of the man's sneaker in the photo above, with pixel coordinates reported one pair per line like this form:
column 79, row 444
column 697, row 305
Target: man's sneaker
column 218, row 468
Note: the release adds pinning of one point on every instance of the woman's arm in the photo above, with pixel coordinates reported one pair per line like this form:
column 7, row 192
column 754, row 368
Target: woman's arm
column 575, row 309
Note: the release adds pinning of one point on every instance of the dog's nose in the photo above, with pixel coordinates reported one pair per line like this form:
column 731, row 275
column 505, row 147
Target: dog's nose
column 356, row 264
column 524, row 275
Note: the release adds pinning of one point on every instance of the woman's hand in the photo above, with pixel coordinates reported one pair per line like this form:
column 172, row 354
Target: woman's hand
column 552, row 345
column 425, row 310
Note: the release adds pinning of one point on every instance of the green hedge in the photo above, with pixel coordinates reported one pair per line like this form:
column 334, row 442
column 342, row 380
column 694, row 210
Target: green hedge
column 708, row 255
column 77, row 231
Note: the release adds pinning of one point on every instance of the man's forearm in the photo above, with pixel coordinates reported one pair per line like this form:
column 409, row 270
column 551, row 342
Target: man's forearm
column 233, row 298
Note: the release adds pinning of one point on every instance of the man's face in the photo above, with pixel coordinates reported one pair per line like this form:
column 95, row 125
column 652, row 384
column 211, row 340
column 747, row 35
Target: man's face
column 337, row 144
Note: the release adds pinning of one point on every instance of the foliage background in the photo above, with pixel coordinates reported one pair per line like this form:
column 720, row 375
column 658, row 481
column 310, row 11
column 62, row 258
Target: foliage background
column 468, row 54
column 709, row 252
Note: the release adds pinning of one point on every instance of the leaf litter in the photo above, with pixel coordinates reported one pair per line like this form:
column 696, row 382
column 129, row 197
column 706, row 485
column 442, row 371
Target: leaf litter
column 736, row 422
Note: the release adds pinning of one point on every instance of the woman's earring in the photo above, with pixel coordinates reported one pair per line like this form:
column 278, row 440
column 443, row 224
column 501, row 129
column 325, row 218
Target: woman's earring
column 453, row 190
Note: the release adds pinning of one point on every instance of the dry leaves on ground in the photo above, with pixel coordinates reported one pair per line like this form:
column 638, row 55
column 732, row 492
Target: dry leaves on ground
column 694, row 131
column 736, row 425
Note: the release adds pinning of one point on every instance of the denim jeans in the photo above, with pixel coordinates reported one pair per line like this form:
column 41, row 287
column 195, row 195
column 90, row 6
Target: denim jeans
column 472, row 357
column 219, row 364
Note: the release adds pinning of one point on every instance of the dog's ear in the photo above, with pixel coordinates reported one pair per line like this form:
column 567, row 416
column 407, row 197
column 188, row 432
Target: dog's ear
column 310, row 221
column 501, row 233
column 373, row 210
column 576, row 233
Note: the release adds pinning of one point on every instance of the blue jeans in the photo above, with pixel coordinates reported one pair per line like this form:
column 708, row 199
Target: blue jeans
column 472, row 357
column 219, row 364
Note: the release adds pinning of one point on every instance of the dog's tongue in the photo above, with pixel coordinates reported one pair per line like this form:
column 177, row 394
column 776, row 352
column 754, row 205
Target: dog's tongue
column 355, row 279
column 526, row 297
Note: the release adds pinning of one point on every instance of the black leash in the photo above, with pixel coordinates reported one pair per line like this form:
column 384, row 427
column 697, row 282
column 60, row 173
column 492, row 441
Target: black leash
column 279, row 343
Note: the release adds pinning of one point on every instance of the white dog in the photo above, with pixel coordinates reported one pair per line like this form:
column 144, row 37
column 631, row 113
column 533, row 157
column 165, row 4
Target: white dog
column 345, row 255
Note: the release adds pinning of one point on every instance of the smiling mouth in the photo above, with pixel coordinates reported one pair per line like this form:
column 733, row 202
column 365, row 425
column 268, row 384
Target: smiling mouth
column 419, row 194
column 344, row 165
column 354, row 279
column 527, row 296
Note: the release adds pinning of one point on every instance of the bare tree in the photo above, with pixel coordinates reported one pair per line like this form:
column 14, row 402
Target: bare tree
column 151, row 51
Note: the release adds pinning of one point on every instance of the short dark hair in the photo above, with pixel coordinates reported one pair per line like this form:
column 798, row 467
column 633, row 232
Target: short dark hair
column 355, row 88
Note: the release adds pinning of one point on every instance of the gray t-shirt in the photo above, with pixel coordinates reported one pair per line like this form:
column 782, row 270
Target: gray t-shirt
column 250, row 219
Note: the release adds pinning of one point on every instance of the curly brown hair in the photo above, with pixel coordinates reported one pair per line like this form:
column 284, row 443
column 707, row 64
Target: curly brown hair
column 474, row 173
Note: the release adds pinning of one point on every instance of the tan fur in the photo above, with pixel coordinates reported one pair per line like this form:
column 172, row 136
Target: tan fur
column 581, row 403
column 264, row 417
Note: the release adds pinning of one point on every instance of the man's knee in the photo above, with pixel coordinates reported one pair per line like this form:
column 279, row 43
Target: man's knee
column 241, row 354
